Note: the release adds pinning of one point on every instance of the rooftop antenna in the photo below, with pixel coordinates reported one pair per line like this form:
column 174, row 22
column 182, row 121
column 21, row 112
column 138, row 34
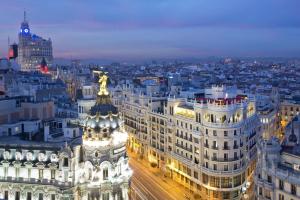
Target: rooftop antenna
column 24, row 15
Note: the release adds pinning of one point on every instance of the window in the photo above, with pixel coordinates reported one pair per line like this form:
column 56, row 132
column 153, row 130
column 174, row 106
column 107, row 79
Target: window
column 29, row 196
column 105, row 196
column 52, row 173
column 281, row 185
column 105, row 174
column 66, row 162
column 225, row 133
column 226, row 195
column 281, row 197
column 214, row 132
column 235, row 146
column 225, row 167
column 237, row 181
column 6, row 195
column 215, row 166
column 206, row 142
column 214, row 156
column 52, row 196
column 196, row 175
column 226, row 182
column 214, row 181
column 234, row 132
column 17, row 195
column 269, row 179
column 293, row 189
column 260, row 191
column 235, row 155
column 268, row 194
column 215, row 144
column 215, row 194
column 225, row 156
column 40, row 196
column 226, row 145
column 41, row 174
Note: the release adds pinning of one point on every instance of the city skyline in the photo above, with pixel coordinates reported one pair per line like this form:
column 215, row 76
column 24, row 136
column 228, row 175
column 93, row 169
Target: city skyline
column 140, row 30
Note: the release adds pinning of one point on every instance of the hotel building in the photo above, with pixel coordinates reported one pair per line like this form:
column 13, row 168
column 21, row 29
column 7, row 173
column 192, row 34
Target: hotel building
column 208, row 144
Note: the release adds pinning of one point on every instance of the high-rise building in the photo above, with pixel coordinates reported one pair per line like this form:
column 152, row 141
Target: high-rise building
column 32, row 49
column 208, row 144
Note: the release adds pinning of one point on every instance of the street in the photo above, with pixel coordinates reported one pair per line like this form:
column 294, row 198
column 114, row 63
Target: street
column 148, row 183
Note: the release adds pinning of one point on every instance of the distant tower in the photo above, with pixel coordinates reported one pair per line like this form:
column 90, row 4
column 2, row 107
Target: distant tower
column 32, row 49
column 24, row 29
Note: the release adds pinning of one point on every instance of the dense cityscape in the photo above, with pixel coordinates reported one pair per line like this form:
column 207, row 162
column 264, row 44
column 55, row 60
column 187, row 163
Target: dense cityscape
column 217, row 127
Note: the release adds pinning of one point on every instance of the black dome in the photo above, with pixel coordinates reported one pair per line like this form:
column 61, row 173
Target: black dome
column 103, row 109
column 293, row 138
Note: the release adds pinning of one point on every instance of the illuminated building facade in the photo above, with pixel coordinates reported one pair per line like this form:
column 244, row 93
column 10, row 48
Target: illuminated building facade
column 277, row 174
column 288, row 110
column 94, row 166
column 208, row 144
column 32, row 49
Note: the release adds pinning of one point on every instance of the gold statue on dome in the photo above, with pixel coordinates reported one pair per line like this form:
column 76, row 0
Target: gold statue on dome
column 103, row 78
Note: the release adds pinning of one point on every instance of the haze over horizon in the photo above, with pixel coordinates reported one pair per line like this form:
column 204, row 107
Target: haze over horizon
column 140, row 29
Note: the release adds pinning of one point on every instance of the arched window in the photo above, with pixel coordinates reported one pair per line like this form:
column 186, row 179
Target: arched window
column 105, row 173
column 66, row 162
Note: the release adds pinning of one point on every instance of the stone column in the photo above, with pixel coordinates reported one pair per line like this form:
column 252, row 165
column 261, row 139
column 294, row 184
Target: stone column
column 125, row 193
column 111, row 195
column 11, row 195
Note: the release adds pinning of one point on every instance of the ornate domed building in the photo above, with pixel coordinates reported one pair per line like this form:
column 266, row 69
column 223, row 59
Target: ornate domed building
column 105, row 165
column 91, row 167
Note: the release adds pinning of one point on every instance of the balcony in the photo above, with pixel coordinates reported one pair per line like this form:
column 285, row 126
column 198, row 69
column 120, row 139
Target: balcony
column 224, row 159
column 36, row 181
column 252, row 135
column 184, row 147
column 251, row 146
column 226, row 148
column 222, row 173
column 215, row 147
column 222, row 125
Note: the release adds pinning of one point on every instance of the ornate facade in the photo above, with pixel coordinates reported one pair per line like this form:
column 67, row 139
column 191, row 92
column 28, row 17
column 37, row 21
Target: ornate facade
column 208, row 144
column 277, row 174
column 94, row 166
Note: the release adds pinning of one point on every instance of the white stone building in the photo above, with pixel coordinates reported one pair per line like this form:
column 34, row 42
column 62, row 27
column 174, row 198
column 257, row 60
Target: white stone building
column 91, row 167
column 208, row 144
column 277, row 175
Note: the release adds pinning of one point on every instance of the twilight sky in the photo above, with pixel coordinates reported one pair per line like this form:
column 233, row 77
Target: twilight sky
column 147, row 29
